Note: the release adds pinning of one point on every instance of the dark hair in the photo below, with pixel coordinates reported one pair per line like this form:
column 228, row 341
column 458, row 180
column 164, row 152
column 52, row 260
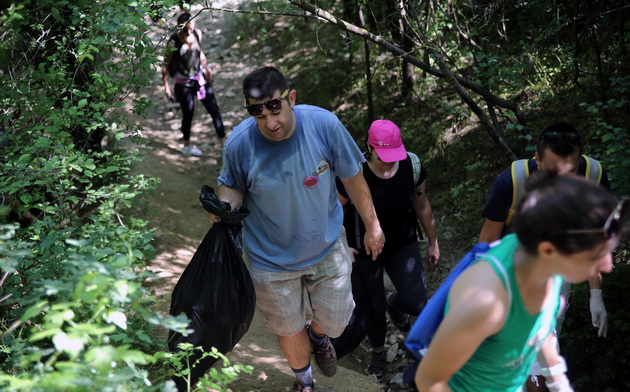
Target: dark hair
column 183, row 18
column 554, row 204
column 263, row 83
column 563, row 148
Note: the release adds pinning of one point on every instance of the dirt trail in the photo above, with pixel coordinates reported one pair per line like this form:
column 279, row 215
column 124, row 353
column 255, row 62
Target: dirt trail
column 176, row 214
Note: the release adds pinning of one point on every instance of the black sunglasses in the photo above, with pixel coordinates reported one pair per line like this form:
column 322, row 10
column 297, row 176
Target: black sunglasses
column 555, row 137
column 273, row 105
column 612, row 226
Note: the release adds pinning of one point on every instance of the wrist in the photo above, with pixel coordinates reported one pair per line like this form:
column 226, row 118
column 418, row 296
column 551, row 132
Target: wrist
column 596, row 293
column 555, row 370
column 559, row 385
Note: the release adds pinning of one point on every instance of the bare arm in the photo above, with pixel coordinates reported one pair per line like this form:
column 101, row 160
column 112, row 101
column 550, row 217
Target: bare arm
column 167, row 61
column 231, row 195
column 478, row 307
column 596, row 282
column 491, row 231
column 422, row 208
column 207, row 71
column 361, row 197
column 553, row 366
column 548, row 355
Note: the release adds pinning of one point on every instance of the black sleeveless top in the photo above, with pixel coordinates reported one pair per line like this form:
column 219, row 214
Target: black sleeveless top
column 393, row 202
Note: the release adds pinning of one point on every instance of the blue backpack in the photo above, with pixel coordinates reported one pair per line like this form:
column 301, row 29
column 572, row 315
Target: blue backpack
column 431, row 316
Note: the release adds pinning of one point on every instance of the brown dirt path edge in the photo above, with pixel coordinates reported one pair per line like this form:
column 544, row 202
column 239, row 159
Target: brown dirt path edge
column 174, row 210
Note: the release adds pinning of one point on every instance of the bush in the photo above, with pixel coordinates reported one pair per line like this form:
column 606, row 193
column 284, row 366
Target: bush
column 75, row 314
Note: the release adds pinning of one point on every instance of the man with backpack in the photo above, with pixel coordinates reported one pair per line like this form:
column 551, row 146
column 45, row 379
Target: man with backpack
column 559, row 150
column 187, row 65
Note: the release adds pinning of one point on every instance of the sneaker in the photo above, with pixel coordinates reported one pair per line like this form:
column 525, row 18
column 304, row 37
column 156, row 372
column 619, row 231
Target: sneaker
column 325, row 357
column 398, row 318
column 377, row 365
column 298, row 386
column 191, row 150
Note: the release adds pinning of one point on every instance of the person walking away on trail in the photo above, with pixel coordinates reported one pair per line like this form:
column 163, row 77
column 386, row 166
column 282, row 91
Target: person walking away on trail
column 396, row 180
column 281, row 165
column 187, row 64
column 501, row 311
column 559, row 150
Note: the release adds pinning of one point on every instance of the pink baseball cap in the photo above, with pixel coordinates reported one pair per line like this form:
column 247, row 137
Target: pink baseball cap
column 385, row 137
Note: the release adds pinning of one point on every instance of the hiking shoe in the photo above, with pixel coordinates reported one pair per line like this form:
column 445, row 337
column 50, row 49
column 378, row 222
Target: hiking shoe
column 298, row 386
column 191, row 150
column 377, row 365
column 398, row 318
column 325, row 357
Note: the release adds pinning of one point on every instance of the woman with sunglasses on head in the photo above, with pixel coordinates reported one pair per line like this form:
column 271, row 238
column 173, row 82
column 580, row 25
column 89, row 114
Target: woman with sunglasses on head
column 559, row 150
column 281, row 165
column 187, row 64
column 396, row 180
column 501, row 311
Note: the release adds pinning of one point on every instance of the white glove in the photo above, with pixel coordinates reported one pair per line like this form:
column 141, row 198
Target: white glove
column 598, row 312
column 561, row 385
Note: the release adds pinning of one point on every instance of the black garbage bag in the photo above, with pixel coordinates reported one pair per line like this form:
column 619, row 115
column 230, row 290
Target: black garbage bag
column 356, row 330
column 215, row 290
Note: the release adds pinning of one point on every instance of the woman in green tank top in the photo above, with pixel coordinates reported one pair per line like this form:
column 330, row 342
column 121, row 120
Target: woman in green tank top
column 501, row 311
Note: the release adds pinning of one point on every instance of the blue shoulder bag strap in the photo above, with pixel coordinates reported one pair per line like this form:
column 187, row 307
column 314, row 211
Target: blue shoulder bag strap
column 424, row 328
column 431, row 316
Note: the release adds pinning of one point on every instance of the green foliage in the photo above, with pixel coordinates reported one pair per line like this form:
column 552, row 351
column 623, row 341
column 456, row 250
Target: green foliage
column 613, row 138
column 185, row 359
column 75, row 314
column 596, row 363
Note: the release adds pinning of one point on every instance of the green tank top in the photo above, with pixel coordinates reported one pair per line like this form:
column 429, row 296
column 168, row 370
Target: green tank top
column 502, row 361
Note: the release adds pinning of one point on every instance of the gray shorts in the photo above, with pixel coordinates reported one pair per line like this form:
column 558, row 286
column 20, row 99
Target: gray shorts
column 321, row 293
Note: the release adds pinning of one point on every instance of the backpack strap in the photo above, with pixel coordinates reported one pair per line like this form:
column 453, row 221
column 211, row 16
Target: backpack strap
column 416, row 165
column 593, row 169
column 417, row 168
column 197, row 34
column 520, row 172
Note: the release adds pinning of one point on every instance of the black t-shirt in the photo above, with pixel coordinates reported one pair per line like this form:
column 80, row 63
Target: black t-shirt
column 393, row 202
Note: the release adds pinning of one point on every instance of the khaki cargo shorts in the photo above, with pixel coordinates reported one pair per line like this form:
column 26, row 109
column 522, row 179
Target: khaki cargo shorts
column 321, row 293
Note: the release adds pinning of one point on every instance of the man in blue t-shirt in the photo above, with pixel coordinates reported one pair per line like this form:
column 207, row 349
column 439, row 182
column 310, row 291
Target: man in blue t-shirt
column 559, row 150
column 281, row 165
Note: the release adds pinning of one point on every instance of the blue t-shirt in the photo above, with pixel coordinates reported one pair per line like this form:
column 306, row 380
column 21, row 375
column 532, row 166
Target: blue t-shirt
column 500, row 199
column 295, row 217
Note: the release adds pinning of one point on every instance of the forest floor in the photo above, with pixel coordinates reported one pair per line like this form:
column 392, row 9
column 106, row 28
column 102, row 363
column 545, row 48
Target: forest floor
column 176, row 215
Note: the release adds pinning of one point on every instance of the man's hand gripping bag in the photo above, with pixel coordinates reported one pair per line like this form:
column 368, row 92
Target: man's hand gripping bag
column 215, row 290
